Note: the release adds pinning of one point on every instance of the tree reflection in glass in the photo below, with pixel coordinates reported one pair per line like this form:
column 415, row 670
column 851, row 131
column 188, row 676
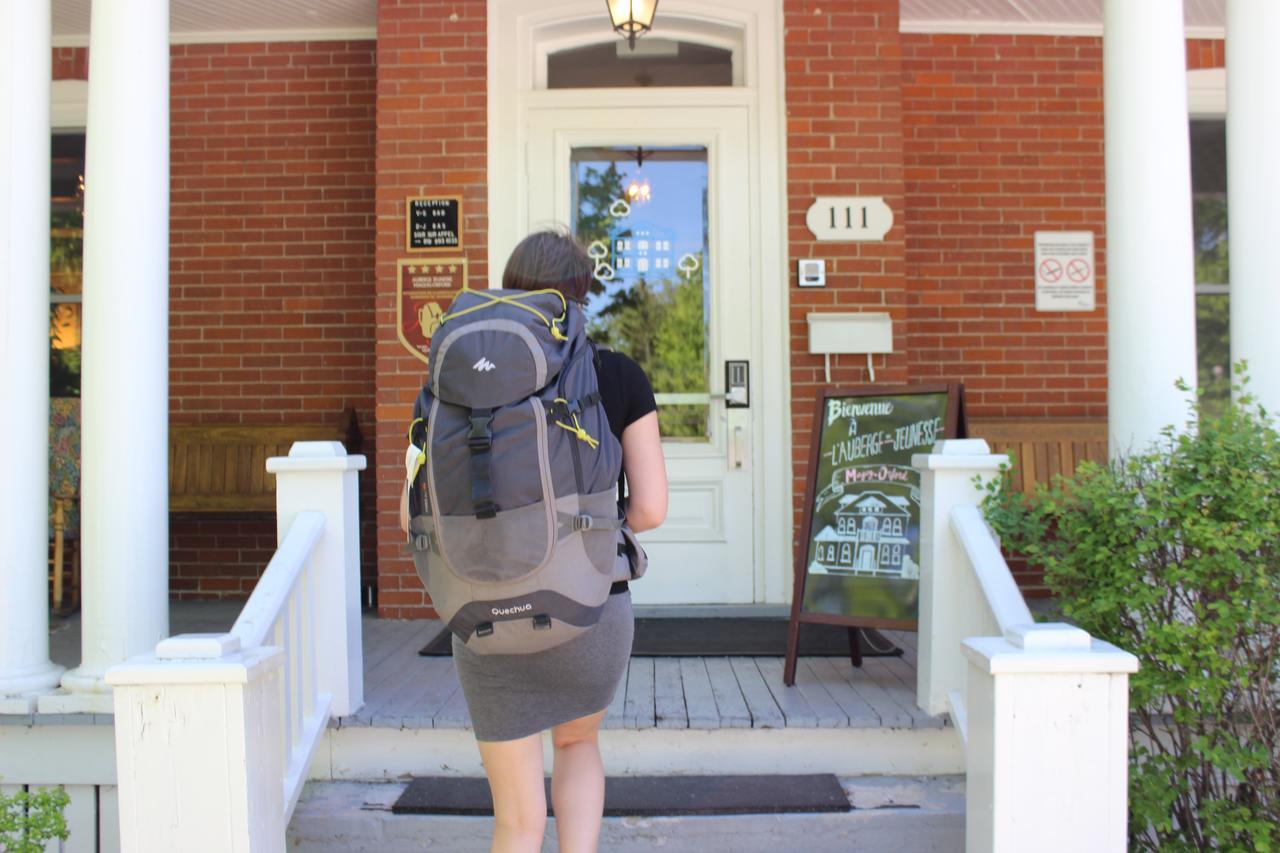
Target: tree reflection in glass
column 650, row 299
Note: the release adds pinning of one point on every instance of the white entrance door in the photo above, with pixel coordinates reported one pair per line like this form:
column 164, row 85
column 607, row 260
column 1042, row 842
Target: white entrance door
column 660, row 196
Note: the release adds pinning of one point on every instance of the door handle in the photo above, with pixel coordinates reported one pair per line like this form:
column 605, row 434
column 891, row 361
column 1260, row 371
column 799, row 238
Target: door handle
column 736, row 449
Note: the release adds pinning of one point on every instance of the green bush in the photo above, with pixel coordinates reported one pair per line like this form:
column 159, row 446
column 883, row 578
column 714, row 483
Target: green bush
column 1174, row 555
column 29, row 819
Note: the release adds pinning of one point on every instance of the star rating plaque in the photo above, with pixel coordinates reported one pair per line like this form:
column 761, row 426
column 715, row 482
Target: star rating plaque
column 424, row 289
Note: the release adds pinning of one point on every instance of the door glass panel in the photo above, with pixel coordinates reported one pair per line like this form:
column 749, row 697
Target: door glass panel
column 642, row 215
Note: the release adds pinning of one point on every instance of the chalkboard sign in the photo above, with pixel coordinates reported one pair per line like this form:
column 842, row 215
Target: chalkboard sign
column 433, row 224
column 859, row 558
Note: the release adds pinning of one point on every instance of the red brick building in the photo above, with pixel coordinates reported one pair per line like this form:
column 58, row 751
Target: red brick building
column 294, row 154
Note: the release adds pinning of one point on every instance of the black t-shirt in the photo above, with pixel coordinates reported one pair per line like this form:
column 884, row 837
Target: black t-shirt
column 627, row 397
column 625, row 391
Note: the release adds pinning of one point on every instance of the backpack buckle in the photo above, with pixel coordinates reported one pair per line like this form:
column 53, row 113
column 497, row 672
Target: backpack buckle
column 541, row 622
column 480, row 436
column 484, row 629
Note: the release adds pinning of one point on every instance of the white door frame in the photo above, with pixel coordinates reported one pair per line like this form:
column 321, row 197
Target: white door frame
column 519, row 39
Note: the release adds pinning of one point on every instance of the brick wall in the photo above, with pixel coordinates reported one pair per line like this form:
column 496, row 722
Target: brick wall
column 271, row 262
column 1003, row 137
column 70, row 63
column 844, row 137
column 431, row 142
column 1206, row 53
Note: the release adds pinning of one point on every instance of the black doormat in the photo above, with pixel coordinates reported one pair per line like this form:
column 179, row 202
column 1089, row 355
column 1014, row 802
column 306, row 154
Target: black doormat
column 716, row 636
column 649, row 796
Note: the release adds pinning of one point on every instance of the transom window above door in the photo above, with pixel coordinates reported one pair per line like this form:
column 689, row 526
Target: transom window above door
column 654, row 62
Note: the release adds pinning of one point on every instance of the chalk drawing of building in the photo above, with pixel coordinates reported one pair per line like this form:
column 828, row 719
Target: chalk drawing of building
column 869, row 538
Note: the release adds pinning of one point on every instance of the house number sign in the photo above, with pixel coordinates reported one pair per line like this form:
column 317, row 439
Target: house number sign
column 848, row 219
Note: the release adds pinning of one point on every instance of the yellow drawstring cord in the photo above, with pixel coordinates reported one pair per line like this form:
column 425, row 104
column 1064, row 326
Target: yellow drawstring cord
column 581, row 433
column 515, row 300
column 577, row 429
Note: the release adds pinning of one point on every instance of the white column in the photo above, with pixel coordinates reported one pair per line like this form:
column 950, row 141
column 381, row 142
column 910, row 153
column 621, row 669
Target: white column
column 320, row 476
column 125, row 379
column 26, row 66
column 1151, row 334
column 1253, row 190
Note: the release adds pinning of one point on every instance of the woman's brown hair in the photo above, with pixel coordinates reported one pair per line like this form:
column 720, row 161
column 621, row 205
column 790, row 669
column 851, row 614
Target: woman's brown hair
column 549, row 260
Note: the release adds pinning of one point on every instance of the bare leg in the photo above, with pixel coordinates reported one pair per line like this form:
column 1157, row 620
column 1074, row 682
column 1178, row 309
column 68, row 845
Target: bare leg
column 514, row 768
column 577, row 784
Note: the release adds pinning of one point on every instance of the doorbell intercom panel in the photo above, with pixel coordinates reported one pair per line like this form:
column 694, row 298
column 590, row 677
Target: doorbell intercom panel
column 812, row 273
column 737, row 384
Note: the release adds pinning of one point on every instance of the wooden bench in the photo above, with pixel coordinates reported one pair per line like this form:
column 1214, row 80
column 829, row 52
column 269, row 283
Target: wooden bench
column 223, row 467
column 1041, row 449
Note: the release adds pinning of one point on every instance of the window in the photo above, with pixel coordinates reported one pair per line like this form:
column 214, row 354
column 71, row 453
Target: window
column 654, row 62
column 1209, row 223
column 66, row 251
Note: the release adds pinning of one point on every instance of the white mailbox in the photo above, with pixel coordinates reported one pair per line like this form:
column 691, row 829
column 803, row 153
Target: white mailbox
column 864, row 332
column 844, row 333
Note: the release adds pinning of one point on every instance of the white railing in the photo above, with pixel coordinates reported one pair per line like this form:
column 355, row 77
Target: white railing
column 215, row 733
column 1042, row 708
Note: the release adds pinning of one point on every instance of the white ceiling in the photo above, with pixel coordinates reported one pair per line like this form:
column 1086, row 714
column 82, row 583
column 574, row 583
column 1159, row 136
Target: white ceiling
column 1204, row 18
column 280, row 20
column 237, row 20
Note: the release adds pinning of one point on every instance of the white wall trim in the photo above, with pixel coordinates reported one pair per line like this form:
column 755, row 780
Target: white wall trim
column 1032, row 28
column 518, row 33
column 244, row 36
column 69, row 104
column 1207, row 93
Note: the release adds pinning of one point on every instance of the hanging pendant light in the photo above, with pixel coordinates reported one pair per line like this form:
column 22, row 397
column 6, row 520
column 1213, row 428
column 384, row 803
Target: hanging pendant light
column 632, row 18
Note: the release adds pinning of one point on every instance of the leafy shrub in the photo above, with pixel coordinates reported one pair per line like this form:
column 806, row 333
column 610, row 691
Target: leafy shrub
column 29, row 819
column 1174, row 554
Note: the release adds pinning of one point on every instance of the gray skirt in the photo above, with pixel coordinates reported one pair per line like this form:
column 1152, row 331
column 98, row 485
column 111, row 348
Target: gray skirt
column 514, row 696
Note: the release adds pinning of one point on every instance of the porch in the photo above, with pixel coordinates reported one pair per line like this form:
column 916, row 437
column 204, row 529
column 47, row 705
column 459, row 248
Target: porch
column 670, row 716
column 220, row 723
column 414, row 719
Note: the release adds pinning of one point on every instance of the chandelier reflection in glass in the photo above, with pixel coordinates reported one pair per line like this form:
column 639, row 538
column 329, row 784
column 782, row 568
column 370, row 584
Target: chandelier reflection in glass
column 639, row 191
column 631, row 18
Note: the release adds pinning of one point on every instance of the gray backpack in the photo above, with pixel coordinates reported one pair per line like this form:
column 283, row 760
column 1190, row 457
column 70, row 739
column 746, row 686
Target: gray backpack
column 514, row 521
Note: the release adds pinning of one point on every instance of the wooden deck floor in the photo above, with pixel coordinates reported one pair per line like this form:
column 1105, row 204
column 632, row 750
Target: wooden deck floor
column 406, row 691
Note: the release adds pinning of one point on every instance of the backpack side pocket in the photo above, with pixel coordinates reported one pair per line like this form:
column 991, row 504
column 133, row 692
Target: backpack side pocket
column 636, row 557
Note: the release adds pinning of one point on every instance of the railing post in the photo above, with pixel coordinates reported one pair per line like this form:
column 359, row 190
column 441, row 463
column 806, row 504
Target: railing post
column 198, row 748
column 952, row 606
column 320, row 476
column 1047, row 752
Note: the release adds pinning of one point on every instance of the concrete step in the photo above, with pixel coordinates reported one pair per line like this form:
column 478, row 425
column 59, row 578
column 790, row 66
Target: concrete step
column 373, row 754
column 890, row 813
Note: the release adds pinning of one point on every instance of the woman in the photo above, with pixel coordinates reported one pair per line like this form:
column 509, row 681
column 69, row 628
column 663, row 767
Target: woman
column 514, row 698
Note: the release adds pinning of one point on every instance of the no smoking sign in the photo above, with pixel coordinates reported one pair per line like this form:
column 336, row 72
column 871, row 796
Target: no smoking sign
column 1064, row 271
